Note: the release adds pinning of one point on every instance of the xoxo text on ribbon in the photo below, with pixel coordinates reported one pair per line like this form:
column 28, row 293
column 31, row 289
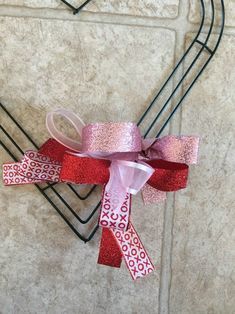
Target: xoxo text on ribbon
column 115, row 156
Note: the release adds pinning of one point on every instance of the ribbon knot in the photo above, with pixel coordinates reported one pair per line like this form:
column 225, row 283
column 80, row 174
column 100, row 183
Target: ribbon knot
column 113, row 155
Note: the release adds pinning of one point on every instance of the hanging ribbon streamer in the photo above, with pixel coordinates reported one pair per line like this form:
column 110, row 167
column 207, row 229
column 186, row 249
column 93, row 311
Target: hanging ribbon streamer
column 115, row 156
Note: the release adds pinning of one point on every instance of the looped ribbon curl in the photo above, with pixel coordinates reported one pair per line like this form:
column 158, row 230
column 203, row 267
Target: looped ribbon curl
column 113, row 155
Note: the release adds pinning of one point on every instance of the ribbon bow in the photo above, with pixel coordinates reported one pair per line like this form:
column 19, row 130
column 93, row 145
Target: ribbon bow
column 113, row 155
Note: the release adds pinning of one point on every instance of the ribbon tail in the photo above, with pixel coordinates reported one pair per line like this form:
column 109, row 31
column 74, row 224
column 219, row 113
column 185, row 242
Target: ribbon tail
column 11, row 175
column 110, row 253
column 113, row 215
column 116, row 244
column 33, row 168
column 134, row 253
column 151, row 195
column 36, row 167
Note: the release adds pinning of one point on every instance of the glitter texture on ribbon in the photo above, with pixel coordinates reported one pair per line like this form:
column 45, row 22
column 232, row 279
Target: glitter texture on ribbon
column 114, row 156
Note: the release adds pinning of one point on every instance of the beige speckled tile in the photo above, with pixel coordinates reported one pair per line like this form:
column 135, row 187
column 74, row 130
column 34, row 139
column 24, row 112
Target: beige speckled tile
column 195, row 17
column 100, row 71
column 104, row 72
column 46, row 269
column 46, row 64
column 203, row 247
column 159, row 8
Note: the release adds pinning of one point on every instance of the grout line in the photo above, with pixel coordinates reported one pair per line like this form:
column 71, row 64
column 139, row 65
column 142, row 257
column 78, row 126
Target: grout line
column 174, row 24
column 181, row 25
column 175, row 126
column 92, row 17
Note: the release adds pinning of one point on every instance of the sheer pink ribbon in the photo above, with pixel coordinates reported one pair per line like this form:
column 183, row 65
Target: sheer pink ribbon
column 118, row 142
column 121, row 143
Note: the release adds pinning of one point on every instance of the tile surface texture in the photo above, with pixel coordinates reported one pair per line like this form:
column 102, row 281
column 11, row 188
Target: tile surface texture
column 157, row 8
column 203, row 246
column 87, row 67
column 195, row 7
column 110, row 71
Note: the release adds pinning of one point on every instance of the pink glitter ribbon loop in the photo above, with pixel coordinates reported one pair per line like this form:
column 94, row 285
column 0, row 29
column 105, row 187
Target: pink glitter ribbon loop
column 111, row 138
column 122, row 144
column 126, row 163
column 182, row 149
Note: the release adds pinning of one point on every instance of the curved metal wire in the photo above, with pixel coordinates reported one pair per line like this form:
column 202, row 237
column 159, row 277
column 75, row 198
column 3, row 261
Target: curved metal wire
column 209, row 50
column 172, row 74
column 156, row 101
column 76, row 10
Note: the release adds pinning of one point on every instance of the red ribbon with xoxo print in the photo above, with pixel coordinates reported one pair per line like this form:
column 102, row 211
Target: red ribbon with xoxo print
column 115, row 156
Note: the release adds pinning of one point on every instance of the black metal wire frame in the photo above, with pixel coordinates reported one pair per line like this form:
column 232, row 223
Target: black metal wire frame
column 205, row 47
column 76, row 10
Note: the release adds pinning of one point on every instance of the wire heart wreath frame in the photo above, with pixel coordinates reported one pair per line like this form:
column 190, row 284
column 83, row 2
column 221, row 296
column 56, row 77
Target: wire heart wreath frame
column 207, row 41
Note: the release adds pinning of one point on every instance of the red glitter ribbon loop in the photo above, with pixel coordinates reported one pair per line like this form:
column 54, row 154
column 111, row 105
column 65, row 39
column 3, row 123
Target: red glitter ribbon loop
column 112, row 155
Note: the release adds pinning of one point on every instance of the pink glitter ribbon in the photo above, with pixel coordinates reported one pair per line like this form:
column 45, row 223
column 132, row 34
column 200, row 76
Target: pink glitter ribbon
column 111, row 138
column 122, row 143
column 130, row 169
column 118, row 142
